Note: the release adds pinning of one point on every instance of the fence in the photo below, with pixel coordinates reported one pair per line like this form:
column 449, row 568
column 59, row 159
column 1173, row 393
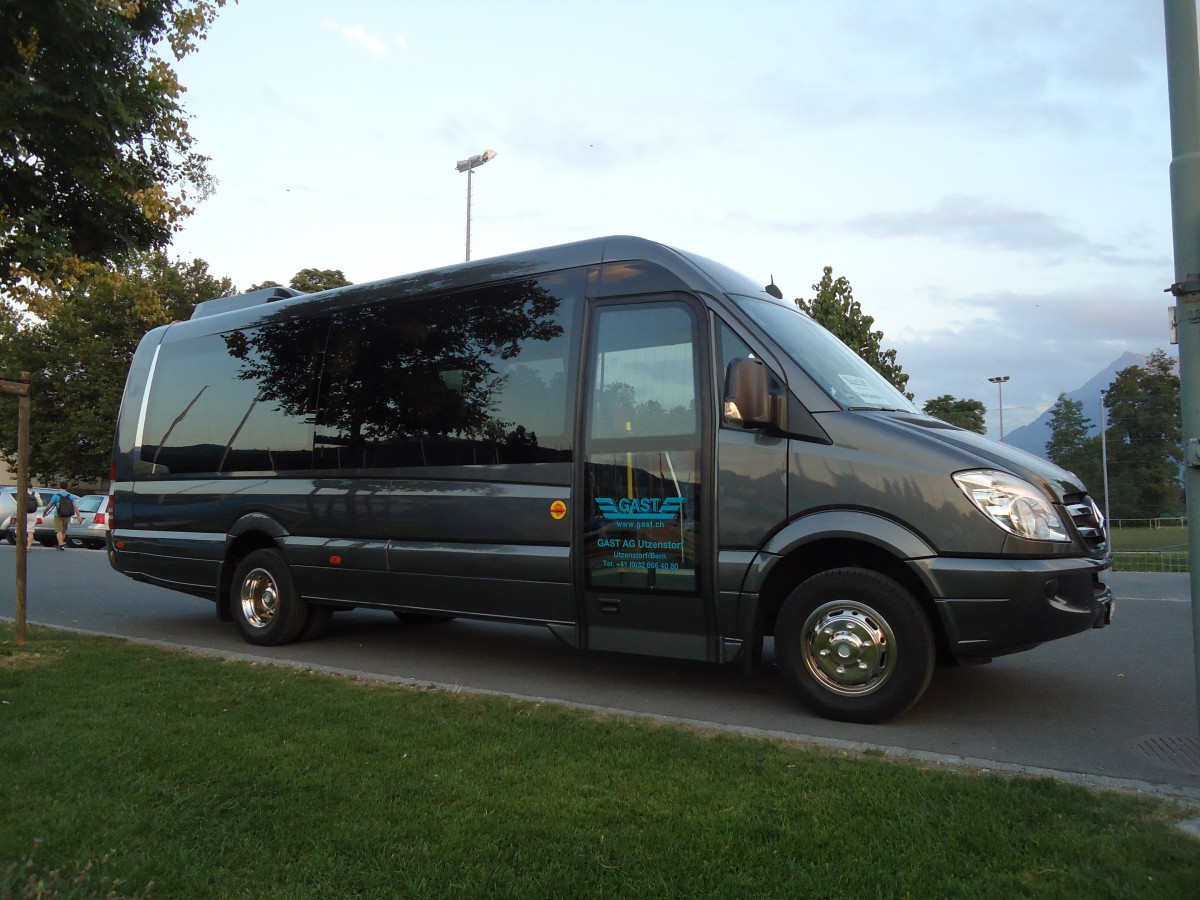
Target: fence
column 1165, row 522
column 1149, row 545
column 1150, row 561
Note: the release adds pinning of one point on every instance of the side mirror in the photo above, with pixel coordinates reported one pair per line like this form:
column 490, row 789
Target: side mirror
column 747, row 404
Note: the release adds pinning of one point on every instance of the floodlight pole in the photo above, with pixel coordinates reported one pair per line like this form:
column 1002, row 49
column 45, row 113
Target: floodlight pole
column 998, row 381
column 469, row 165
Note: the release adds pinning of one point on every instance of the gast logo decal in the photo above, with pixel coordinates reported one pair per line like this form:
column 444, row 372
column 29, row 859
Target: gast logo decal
column 647, row 509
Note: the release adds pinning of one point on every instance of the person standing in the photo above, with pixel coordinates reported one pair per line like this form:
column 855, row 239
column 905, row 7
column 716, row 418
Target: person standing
column 31, row 517
column 62, row 507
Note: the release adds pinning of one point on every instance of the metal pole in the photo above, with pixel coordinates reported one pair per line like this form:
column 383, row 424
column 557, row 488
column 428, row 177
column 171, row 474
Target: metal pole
column 468, row 165
column 1104, row 465
column 998, row 381
column 470, row 169
column 1000, row 385
column 1183, row 88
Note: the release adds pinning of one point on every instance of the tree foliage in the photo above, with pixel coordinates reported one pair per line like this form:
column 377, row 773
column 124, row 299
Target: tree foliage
column 1069, row 429
column 1145, row 440
column 835, row 308
column 79, row 357
column 312, row 280
column 1072, row 446
column 96, row 161
column 968, row 414
column 309, row 281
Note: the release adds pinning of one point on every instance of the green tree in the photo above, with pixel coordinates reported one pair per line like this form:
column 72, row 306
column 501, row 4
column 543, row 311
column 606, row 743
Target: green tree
column 96, row 160
column 834, row 307
column 1068, row 431
column 968, row 414
column 79, row 357
column 312, row 280
column 1071, row 446
column 309, row 281
column 1145, row 440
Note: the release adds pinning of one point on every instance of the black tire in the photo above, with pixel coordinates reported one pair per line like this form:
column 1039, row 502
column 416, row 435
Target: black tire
column 266, row 607
column 76, row 543
column 11, row 537
column 316, row 625
column 854, row 645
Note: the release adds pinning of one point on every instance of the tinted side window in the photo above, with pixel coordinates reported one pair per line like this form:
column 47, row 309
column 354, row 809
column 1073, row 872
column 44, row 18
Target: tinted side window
column 242, row 401
column 731, row 347
column 644, row 463
column 645, row 381
column 479, row 378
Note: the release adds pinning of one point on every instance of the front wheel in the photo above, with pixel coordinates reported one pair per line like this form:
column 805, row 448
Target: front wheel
column 266, row 606
column 855, row 645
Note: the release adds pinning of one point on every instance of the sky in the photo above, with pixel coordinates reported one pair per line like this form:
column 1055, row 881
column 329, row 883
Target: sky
column 991, row 178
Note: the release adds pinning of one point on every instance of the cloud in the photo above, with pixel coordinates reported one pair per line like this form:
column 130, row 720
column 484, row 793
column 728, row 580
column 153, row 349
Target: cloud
column 1047, row 342
column 356, row 34
column 977, row 222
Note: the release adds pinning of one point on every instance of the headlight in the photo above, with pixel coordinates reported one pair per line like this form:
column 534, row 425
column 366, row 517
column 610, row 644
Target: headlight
column 1013, row 503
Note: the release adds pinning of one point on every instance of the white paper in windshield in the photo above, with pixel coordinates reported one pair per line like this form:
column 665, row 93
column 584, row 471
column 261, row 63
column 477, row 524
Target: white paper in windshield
column 866, row 394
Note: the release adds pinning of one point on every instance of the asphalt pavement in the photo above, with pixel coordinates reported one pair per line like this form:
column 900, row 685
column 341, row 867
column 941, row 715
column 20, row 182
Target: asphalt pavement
column 1114, row 707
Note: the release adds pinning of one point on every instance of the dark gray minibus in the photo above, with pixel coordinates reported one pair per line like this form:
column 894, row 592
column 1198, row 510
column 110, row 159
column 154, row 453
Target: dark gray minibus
column 633, row 446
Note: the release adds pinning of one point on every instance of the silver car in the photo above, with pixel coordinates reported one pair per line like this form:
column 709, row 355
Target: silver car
column 8, row 508
column 93, row 509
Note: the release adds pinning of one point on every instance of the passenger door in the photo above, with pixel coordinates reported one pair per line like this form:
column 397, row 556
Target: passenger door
column 643, row 524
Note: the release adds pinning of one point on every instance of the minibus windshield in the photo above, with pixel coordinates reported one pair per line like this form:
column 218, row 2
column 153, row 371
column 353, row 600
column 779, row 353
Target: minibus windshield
column 839, row 371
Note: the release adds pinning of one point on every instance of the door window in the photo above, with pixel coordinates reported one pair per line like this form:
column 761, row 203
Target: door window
column 643, row 450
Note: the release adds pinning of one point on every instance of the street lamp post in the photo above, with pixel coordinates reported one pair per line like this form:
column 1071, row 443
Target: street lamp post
column 470, row 165
column 998, row 381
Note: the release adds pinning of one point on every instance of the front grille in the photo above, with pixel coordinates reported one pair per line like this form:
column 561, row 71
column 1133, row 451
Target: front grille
column 1088, row 520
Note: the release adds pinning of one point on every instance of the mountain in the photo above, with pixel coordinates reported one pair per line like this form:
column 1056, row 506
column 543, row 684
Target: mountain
column 1033, row 437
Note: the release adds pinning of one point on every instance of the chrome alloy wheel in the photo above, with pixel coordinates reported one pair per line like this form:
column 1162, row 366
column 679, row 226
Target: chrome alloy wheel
column 849, row 648
column 259, row 597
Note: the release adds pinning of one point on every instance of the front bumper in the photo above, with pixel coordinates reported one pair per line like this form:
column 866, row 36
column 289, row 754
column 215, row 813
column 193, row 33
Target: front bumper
column 1022, row 603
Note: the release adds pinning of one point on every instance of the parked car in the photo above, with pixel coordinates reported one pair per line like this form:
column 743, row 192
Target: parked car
column 43, row 523
column 8, row 509
column 43, row 527
column 93, row 509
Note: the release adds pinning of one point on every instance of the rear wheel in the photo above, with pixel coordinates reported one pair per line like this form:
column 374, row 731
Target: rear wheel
column 855, row 645
column 266, row 607
column 74, row 542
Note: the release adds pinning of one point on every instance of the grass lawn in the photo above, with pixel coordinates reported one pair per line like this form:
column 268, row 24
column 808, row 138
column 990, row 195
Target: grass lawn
column 1173, row 537
column 223, row 779
column 1150, row 549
